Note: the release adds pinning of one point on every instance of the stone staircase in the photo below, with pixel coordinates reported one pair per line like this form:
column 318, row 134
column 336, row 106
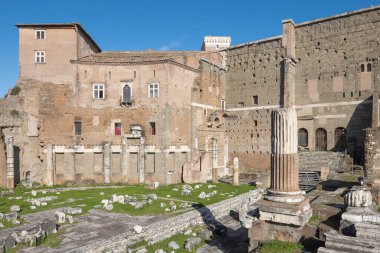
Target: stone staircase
column 312, row 161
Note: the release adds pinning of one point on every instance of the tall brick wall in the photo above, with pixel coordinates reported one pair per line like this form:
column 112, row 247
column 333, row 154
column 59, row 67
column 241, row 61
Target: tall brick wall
column 332, row 90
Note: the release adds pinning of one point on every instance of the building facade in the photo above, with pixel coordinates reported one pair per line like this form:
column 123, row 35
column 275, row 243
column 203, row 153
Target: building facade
column 87, row 115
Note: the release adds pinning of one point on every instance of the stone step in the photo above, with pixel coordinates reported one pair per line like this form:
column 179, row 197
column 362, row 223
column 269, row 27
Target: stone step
column 351, row 244
column 325, row 250
column 343, row 247
column 367, row 230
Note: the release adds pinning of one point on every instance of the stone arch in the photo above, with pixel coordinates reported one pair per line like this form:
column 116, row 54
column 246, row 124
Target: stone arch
column 320, row 139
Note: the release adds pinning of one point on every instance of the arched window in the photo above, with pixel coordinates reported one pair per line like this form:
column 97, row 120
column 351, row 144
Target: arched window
column 302, row 137
column 127, row 94
column 369, row 67
column 320, row 139
column 340, row 139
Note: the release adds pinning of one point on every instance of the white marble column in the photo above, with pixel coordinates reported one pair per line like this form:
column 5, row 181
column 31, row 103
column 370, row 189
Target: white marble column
column 10, row 163
column 124, row 158
column 107, row 162
column 49, row 165
column 141, row 165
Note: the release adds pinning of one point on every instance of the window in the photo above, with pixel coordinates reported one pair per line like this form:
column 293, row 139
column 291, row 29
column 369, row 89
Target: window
column 126, row 97
column 223, row 104
column 98, row 91
column 241, row 104
column 362, row 68
column 204, row 111
column 117, row 128
column 255, row 100
column 40, row 56
column 78, row 127
column 369, row 67
column 154, row 90
column 40, row 34
column 303, row 137
column 152, row 128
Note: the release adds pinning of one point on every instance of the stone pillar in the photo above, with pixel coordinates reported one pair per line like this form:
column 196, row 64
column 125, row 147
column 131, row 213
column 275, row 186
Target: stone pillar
column 49, row 165
column 10, row 163
column 375, row 96
column 124, row 158
column 236, row 172
column 284, row 173
column 107, row 162
column 141, row 165
column 225, row 155
column 214, row 154
column 289, row 38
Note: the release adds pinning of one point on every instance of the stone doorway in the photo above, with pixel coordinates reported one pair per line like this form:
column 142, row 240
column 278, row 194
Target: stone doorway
column 340, row 139
column 320, row 140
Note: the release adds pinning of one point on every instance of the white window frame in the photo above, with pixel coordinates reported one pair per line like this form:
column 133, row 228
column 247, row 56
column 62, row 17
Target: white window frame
column 96, row 87
column 41, row 32
column 155, row 88
column 39, row 56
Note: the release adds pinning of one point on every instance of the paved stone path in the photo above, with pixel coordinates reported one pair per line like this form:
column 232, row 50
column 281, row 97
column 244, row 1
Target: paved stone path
column 94, row 227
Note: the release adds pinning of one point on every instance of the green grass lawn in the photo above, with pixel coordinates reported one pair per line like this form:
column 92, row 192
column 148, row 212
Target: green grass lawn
column 88, row 199
column 280, row 247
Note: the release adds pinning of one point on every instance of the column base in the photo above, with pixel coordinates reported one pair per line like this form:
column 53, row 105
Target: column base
column 296, row 214
column 285, row 197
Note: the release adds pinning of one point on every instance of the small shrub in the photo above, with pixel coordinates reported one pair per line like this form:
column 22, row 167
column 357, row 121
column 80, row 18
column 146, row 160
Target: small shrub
column 15, row 91
column 14, row 113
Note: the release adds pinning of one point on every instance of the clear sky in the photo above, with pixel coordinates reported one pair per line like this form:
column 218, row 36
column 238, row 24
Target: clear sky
column 159, row 24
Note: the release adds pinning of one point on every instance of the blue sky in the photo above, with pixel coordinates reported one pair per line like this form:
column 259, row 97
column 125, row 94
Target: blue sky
column 159, row 24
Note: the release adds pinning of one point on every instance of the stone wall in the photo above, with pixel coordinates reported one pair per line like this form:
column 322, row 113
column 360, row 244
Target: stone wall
column 336, row 66
column 313, row 161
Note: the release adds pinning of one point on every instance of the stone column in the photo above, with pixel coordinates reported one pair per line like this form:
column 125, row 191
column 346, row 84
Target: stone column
column 124, row 158
column 236, row 172
column 107, row 162
column 141, row 165
column 375, row 96
column 225, row 155
column 284, row 173
column 49, row 165
column 10, row 163
column 214, row 153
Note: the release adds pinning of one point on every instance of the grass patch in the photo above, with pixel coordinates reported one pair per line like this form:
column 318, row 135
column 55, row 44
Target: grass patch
column 281, row 247
column 88, row 199
column 316, row 218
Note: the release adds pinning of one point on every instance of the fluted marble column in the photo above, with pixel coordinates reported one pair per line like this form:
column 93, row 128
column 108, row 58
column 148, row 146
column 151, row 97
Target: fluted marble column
column 284, row 163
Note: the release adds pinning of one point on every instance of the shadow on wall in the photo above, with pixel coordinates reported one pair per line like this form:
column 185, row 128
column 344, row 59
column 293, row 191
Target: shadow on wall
column 351, row 138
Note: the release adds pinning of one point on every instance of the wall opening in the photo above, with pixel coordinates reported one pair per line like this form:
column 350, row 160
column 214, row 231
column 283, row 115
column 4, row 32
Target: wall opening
column 320, row 139
column 303, row 137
